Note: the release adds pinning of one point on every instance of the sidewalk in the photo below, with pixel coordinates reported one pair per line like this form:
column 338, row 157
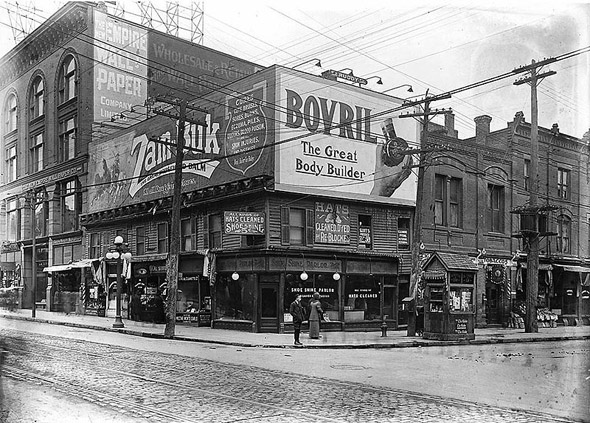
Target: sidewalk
column 394, row 339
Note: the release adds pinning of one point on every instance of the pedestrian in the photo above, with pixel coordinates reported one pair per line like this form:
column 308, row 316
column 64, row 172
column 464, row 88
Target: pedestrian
column 135, row 306
column 297, row 311
column 315, row 315
column 159, row 312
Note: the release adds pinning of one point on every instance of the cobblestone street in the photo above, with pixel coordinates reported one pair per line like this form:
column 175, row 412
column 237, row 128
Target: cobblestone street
column 159, row 387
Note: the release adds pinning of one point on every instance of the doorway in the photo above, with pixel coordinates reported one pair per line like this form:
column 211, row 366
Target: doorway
column 268, row 310
column 493, row 303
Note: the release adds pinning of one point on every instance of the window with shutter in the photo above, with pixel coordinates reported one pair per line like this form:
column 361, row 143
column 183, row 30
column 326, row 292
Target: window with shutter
column 285, row 233
column 309, row 233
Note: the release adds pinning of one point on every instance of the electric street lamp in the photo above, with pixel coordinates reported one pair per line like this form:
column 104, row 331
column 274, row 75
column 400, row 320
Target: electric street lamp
column 120, row 252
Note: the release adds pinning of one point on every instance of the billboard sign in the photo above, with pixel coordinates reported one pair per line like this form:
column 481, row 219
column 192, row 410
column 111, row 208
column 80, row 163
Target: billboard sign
column 136, row 164
column 339, row 138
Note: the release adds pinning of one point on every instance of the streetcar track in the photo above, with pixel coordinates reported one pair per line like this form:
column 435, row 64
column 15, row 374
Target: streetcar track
column 162, row 371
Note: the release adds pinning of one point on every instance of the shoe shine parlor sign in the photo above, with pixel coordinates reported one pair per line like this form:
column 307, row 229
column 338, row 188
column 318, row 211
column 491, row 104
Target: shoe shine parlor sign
column 337, row 137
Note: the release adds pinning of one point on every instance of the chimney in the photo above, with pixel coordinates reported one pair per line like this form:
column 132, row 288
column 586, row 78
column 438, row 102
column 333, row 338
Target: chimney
column 450, row 125
column 555, row 129
column 482, row 128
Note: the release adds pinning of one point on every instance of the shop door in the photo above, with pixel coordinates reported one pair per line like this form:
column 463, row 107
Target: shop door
column 493, row 295
column 269, row 308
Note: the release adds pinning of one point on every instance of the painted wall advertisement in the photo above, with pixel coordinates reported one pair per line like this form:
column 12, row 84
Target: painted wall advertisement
column 134, row 63
column 332, row 223
column 333, row 137
column 137, row 164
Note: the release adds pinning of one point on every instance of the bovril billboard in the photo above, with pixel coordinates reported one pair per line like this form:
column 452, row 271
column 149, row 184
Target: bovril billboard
column 336, row 137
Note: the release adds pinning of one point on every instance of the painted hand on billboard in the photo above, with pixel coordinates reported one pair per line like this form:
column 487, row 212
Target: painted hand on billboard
column 393, row 165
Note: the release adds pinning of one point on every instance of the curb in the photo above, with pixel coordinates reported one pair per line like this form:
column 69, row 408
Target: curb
column 403, row 344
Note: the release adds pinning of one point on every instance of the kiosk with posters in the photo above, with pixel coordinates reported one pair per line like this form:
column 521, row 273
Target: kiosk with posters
column 449, row 297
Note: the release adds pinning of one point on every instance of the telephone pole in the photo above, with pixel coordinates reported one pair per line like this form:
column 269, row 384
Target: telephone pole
column 424, row 118
column 532, row 280
column 174, row 250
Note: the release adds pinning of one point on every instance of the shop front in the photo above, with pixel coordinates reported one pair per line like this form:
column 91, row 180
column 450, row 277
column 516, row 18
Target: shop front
column 194, row 291
column 571, row 299
column 146, row 287
column 70, row 287
column 254, row 293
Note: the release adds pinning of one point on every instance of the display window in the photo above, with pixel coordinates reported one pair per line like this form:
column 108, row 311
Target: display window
column 362, row 298
column 323, row 283
column 461, row 300
column 194, row 295
column 234, row 299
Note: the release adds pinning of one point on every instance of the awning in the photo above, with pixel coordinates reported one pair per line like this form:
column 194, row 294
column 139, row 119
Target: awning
column 65, row 267
column 7, row 265
column 568, row 268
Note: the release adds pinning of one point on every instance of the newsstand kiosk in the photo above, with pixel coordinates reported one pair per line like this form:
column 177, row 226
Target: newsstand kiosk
column 449, row 297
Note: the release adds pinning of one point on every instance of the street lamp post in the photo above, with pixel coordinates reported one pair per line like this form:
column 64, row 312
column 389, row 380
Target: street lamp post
column 34, row 198
column 120, row 252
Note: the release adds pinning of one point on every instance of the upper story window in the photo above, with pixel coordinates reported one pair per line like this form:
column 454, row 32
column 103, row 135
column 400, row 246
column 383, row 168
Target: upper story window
column 67, row 139
column 448, row 201
column 526, row 174
column 36, row 149
column 67, row 80
column 41, row 207
column 187, row 234
column 70, row 205
column 365, row 231
column 563, row 234
column 12, row 220
column 95, row 250
column 296, row 226
column 140, row 240
column 403, row 233
column 162, row 237
column 11, row 163
column 37, row 99
column 496, row 208
column 10, row 114
column 563, row 181
column 214, row 231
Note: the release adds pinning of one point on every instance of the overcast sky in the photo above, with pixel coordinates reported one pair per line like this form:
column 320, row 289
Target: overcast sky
column 440, row 46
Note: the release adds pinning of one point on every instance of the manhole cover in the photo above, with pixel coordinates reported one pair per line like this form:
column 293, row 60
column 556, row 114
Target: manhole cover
column 348, row 367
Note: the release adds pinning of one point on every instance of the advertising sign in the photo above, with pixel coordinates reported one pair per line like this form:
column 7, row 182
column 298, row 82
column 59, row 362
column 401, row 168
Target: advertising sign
column 120, row 71
column 137, row 163
column 340, row 138
column 332, row 223
column 243, row 223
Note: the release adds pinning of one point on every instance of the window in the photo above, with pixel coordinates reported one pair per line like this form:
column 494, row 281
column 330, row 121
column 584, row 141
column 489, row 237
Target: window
column 296, row 226
column 11, row 163
column 403, row 233
column 10, row 114
column 37, row 99
column 12, row 220
column 37, row 152
column 214, row 231
column 162, row 237
column 67, row 139
column 496, row 208
column 365, row 234
column 448, row 201
column 67, row 80
column 563, row 176
column 95, row 246
column 563, row 234
column 140, row 240
column 186, row 234
column 70, row 202
column 41, row 213
column 526, row 176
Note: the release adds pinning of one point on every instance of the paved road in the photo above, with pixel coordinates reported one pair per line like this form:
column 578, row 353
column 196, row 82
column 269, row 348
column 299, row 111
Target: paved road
column 145, row 384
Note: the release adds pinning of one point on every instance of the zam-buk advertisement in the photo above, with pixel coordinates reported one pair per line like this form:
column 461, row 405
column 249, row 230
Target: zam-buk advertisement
column 137, row 164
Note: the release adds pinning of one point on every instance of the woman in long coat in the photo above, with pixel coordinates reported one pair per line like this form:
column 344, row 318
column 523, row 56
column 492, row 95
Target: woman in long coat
column 315, row 314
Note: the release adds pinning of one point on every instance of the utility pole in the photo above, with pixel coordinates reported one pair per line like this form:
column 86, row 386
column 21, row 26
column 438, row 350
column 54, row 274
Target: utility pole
column 174, row 250
column 424, row 118
column 532, row 280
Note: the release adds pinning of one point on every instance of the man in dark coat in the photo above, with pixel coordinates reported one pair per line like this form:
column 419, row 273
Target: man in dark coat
column 298, row 313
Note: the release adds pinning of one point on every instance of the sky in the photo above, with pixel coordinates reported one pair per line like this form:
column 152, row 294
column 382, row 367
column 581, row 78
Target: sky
column 434, row 46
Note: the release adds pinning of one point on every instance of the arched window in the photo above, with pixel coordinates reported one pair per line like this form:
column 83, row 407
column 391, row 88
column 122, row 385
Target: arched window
column 67, row 80
column 564, row 224
column 37, row 99
column 10, row 114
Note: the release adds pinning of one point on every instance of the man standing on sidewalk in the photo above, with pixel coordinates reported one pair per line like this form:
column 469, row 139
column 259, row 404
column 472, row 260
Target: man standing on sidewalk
column 296, row 310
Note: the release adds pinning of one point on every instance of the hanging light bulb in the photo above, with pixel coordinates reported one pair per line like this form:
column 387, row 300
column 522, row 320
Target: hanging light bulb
column 304, row 276
column 336, row 276
column 235, row 276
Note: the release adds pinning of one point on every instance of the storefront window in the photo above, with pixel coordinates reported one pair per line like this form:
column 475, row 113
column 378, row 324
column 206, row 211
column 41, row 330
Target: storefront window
column 323, row 283
column 234, row 299
column 362, row 298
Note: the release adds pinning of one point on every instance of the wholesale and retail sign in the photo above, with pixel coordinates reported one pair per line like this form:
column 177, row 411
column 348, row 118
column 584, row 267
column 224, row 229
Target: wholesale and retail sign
column 339, row 138
column 243, row 223
column 120, row 71
column 332, row 223
column 227, row 144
